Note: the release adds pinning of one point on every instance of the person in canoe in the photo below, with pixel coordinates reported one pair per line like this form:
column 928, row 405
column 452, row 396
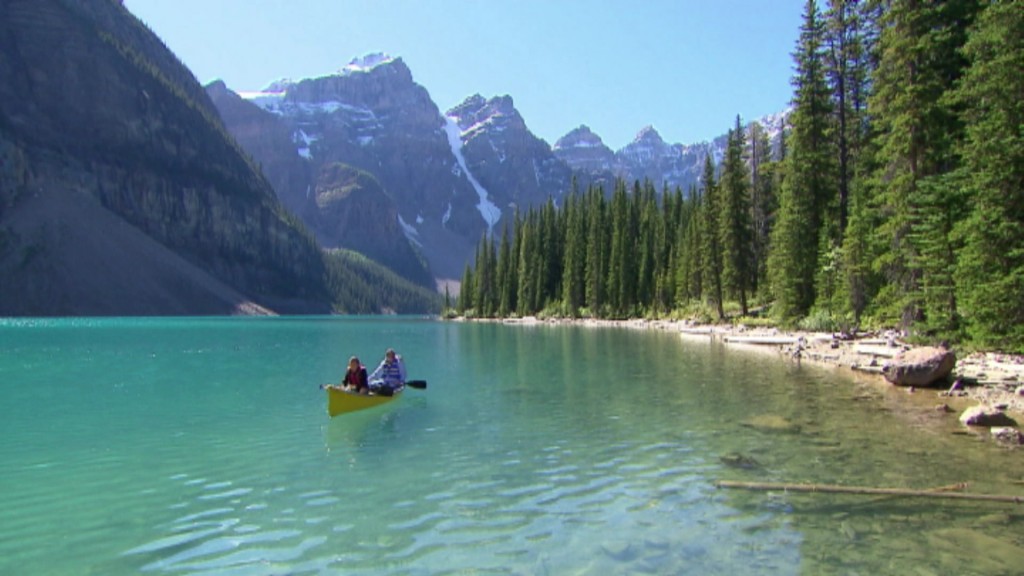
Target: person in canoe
column 389, row 376
column 355, row 379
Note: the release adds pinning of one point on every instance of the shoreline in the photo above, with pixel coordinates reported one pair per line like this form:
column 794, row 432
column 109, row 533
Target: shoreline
column 986, row 379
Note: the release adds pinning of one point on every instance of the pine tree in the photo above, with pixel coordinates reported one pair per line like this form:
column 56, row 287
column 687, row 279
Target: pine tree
column 573, row 288
column 621, row 255
column 860, row 281
column 484, row 279
column 466, row 291
column 647, row 236
column 692, row 245
column 807, row 190
column 848, row 73
column 597, row 251
column 734, row 230
column 504, row 275
column 526, row 291
column 919, row 62
column 666, row 224
column 991, row 264
column 551, row 238
column 711, row 252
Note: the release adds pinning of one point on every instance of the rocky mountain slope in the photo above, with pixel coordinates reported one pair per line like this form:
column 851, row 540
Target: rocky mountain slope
column 120, row 190
column 451, row 176
column 344, row 206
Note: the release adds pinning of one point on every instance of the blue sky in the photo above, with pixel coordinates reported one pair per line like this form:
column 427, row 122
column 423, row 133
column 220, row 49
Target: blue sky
column 686, row 67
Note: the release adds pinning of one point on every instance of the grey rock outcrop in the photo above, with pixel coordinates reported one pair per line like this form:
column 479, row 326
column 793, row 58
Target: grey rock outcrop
column 122, row 193
column 925, row 366
column 373, row 117
column 513, row 167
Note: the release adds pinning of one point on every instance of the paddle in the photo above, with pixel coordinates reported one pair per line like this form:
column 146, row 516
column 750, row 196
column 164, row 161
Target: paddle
column 417, row 384
column 389, row 391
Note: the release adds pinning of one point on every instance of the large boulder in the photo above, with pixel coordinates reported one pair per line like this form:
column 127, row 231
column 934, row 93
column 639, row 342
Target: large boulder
column 920, row 367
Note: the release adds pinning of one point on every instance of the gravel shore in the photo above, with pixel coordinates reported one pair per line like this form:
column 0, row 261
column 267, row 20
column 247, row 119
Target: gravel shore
column 991, row 379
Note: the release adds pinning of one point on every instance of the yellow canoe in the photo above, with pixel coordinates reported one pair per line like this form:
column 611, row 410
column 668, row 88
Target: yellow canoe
column 340, row 401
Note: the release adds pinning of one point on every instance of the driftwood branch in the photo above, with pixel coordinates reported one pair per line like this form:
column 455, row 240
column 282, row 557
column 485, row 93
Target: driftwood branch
column 943, row 492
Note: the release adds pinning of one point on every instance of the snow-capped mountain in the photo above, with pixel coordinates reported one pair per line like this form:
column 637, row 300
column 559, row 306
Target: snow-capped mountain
column 507, row 164
column 371, row 116
column 442, row 180
column 584, row 150
column 649, row 157
column 452, row 177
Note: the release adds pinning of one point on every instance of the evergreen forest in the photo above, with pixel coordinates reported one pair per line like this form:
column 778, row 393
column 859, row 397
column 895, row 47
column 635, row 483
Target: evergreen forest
column 894, row 199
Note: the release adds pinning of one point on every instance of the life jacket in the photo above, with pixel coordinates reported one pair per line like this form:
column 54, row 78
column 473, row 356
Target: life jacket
column 391, row 373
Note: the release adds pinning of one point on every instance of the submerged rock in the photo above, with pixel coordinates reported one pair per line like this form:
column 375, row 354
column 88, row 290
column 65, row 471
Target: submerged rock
column 772, row 423
column 989, row 416
column 737, row 460
column 621, row 551
column 1008, row 435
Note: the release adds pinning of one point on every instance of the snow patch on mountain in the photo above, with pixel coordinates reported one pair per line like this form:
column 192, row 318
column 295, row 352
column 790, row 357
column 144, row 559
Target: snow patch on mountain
column 304, row 141
column 277, row 103
column 365, row 63
column 410, row 232
column 270, row 101
column 490, row 213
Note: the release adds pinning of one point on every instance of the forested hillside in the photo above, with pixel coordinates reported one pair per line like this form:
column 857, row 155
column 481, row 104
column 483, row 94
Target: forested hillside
column 898, row 198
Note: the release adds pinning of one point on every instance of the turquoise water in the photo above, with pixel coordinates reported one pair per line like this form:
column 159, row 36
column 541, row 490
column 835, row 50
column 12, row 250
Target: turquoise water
column 202, row 446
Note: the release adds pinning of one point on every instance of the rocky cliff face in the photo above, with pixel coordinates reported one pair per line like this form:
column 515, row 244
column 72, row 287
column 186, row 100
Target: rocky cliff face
column 121, row 191
column 510, row 166
column 363, row 218
column 372, row 117
column 584, row 150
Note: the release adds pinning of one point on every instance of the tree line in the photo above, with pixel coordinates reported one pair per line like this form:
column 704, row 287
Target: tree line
column 895, row 197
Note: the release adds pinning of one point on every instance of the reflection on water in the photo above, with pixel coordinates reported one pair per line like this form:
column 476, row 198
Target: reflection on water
column 201, row 446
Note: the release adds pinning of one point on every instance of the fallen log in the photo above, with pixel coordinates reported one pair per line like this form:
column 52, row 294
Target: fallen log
column 834, row 489
column 950, row 487
column 760, row 340
column 882, row 351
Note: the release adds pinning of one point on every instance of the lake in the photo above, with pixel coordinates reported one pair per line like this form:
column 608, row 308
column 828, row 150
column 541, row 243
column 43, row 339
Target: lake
column 202, row 446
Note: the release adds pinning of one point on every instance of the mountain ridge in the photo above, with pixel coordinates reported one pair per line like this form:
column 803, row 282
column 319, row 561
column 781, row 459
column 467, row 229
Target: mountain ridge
column 454, row 175
column 122, row 193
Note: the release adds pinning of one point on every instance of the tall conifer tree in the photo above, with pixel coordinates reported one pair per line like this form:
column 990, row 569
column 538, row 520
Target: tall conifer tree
column 808, row 189
column 597, row 251
column 711, row 251
column 734, row 220
column 991, row 265
column 504, row 273
column 574, row 269
column 919, row 62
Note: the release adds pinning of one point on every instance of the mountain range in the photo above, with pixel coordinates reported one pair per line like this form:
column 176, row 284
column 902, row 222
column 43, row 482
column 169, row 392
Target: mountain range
column 126, row 188
column 449, row 177
column 121, row 192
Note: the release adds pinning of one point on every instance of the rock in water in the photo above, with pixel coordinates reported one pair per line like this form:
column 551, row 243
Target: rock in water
column 737, row 460
column 920, row 367
column 986, row 416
